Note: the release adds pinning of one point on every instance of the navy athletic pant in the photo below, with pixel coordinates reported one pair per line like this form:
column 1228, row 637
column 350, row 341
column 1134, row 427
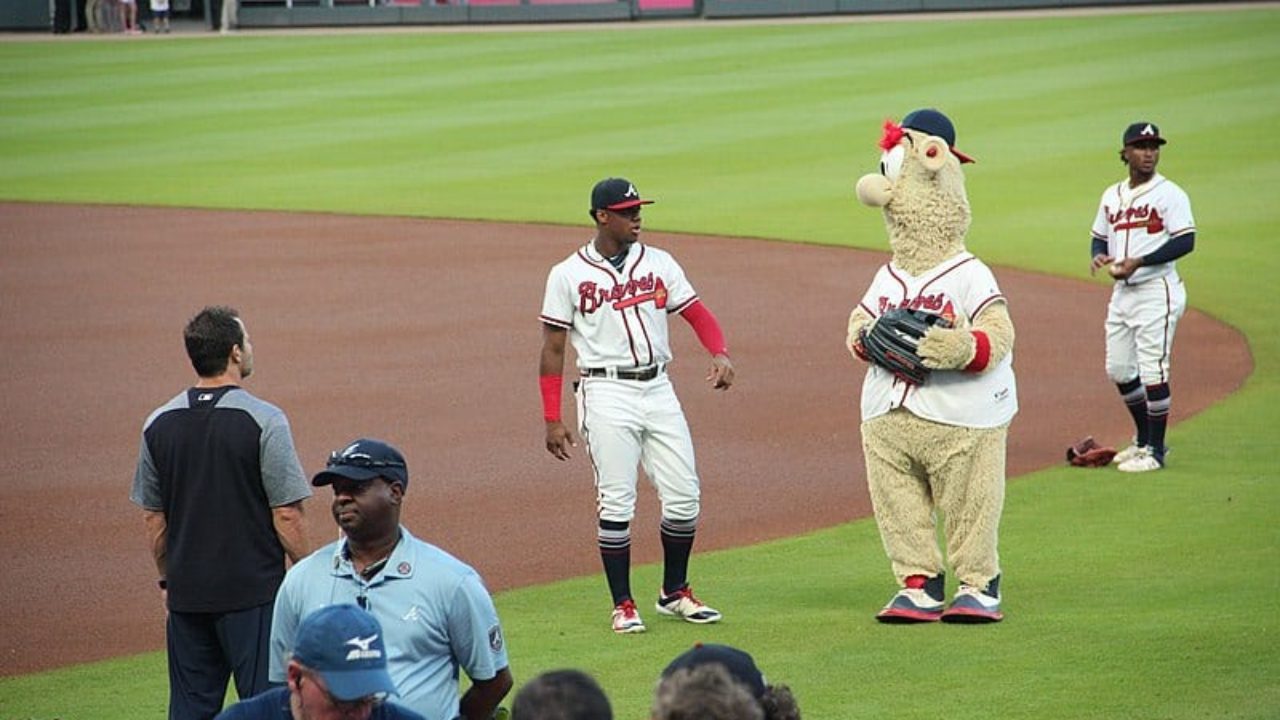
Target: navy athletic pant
column 207, row 649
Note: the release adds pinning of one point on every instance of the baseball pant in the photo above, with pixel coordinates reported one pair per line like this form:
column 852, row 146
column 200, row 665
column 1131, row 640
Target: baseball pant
column 630, row 422
column 205, row 649
column 1141, row 321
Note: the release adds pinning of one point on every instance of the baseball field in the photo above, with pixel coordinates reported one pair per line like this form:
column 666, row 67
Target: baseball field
column 383, row 207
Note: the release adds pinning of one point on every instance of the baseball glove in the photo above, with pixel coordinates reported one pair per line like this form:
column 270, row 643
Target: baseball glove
column 892, row 340
column 1088, row 453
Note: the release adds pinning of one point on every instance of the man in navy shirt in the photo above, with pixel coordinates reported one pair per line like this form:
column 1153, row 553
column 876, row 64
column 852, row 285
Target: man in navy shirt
column 338, row 670
column 221, row 490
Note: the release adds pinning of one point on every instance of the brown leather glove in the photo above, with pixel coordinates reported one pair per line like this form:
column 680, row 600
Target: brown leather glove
column 1088, row 453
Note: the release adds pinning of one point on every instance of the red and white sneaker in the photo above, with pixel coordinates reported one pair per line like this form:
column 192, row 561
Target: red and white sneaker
column 919, row 601
column 626, row 619
column 975, row 605
column 683, row 604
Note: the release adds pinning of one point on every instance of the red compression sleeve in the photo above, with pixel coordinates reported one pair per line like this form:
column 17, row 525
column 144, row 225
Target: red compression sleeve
column 982, row 354
column 552, row 386
column 706, row 328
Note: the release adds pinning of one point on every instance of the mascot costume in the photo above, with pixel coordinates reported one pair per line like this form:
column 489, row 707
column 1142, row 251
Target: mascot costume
column 939, row 393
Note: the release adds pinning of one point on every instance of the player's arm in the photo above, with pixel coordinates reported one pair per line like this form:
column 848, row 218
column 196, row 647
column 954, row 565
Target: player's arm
column 482, row 698
column 1173, row 249
column 157, row 532
column 291, row 530
column 551, row 382
column 707, row 328
column 1099, row 254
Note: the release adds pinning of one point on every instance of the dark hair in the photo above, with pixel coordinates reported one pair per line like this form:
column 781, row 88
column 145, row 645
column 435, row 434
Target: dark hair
column 779, row 703
column 561, row 695
column 209, row 336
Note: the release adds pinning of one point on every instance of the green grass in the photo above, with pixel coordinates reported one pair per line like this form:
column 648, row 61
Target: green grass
column 1152, row 597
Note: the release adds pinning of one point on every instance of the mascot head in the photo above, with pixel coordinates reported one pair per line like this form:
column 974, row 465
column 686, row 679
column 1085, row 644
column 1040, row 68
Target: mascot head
column 920, row 188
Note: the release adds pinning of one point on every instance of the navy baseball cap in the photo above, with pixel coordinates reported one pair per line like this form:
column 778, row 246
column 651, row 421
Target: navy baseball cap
column 934, row 123
column 343, row 644
column 739, row 664
column 362, row 460
column 616, row 194
column 1142, row 131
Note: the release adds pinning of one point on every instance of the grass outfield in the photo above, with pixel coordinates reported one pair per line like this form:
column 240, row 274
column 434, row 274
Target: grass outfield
column 1146, row 597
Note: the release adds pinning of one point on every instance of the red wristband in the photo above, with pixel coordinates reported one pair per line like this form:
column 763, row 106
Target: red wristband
column 982, row 353
column 552, row 387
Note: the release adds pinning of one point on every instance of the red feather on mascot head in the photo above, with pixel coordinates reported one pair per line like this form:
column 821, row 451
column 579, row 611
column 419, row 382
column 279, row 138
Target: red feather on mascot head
column 892, row 134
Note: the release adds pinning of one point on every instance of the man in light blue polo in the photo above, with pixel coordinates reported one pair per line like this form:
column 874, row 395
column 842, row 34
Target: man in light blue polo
column 436, row 615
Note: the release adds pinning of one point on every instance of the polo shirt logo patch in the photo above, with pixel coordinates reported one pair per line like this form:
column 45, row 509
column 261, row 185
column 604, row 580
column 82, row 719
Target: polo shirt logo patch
column 495, row 638
column 404, row 568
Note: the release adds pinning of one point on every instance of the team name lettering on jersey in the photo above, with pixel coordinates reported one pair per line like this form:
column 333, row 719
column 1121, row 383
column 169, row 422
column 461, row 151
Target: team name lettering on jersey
column 1143, row 216
column 937, row 303
column 592, row 297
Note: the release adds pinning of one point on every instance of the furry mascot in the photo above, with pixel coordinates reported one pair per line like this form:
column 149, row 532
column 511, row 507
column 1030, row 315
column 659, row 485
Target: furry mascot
column 939, row 445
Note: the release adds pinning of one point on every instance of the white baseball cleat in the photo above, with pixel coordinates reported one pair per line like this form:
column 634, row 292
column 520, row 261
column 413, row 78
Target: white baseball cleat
column 1144, row 461
column 626, row 619
column 683, row 604
column 1127, row 454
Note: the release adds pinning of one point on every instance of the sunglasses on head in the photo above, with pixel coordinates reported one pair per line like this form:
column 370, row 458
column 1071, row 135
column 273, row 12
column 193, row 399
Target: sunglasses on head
column 360, row 460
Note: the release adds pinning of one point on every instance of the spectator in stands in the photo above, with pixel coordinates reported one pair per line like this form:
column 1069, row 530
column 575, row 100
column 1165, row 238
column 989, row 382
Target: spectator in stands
column 561, row 695
column 775, row 701
column 128, row 10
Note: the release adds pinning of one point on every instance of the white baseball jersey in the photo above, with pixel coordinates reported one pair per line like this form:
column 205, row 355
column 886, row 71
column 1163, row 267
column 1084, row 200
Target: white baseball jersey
column 961, row 286
column 617, row 318
column 1138, row 221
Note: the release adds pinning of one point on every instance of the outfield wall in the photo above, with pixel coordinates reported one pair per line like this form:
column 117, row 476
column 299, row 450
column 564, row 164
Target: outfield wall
column 37, row 14
column 313, row 13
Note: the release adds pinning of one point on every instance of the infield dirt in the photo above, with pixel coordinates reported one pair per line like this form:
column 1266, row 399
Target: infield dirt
column 425, row 333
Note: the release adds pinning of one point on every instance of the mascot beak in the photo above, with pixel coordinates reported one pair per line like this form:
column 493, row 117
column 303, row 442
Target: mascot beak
column 874, row 190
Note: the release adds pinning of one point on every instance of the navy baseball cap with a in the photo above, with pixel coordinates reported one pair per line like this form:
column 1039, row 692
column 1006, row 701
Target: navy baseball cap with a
column 362, row 460
column 343, row 644
column 616, row 194
column 934, row 123
column 1142, row 131
column 740, row 665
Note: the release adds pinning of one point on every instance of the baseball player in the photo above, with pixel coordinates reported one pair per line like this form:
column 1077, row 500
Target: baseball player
column 1143, row 225
column 611, row 298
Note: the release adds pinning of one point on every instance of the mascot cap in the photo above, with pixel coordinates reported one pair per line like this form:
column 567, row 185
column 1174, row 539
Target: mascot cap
column 934, row 123
column 1142, row 131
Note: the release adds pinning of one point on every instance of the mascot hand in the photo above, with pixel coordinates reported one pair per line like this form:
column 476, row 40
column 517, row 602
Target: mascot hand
column 947, row 348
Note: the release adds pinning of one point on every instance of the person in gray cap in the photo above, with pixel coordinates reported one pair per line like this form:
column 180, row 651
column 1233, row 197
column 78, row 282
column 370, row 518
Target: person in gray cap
column 434, row 609
column 338, row 670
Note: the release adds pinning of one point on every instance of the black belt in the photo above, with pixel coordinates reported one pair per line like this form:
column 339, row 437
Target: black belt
column 648, row 373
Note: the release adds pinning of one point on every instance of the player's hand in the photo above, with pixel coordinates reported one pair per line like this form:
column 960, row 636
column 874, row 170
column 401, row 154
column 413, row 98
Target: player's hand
column 1099, row 261
column 559, row 440
column 721, row 374
column 1126, row 267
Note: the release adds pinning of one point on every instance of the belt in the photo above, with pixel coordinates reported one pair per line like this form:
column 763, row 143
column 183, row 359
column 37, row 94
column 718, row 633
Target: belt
column 642, row 374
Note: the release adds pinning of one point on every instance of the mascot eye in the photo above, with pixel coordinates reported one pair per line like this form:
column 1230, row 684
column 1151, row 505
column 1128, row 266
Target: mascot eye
column 891, row 162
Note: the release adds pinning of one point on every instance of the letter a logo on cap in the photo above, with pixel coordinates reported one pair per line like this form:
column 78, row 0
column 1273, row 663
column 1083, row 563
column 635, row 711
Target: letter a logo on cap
column 632, row 193
column 1148, row 130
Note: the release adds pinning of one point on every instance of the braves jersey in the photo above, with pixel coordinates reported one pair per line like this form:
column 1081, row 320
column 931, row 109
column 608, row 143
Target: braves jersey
column 617, row 318
column 1138, row 221
column 435, row 612
column 960, row 287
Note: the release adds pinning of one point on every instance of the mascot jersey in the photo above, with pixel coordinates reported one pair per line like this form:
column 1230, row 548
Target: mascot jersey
column 960, row 287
